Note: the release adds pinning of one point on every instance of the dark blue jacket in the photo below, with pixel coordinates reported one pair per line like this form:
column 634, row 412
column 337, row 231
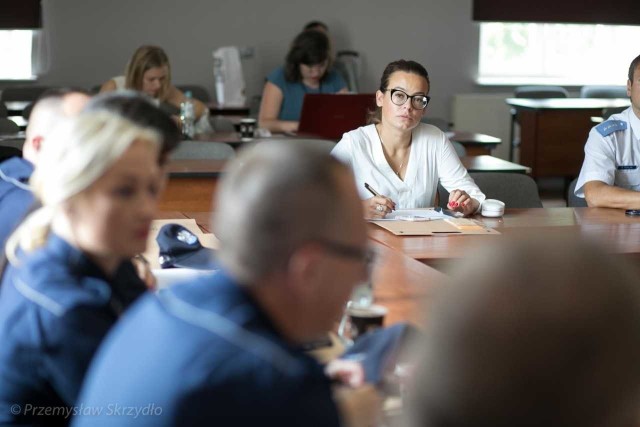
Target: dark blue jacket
column 15, row 195
column 203, row 353
column 56, row 306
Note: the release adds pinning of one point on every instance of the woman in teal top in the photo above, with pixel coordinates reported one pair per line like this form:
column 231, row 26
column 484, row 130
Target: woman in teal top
column 306, row 70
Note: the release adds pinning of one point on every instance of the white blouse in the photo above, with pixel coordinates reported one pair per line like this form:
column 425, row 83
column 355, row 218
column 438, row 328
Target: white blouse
column 432, row 158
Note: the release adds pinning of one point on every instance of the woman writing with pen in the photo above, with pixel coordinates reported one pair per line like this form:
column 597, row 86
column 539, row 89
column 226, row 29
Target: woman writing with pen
column 402, row 159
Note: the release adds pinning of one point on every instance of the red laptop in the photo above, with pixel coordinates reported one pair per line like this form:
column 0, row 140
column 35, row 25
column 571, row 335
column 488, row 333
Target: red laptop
column 331, row 115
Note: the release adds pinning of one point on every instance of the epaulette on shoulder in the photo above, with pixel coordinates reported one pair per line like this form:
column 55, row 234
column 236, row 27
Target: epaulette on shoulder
column 611, row 126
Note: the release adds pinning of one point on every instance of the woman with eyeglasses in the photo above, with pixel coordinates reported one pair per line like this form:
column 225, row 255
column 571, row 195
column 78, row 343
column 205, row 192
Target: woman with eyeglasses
column 401, row 158
column 306, row 70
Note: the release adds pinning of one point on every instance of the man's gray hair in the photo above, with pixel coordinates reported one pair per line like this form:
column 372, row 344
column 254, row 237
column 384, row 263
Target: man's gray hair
column 274, row 197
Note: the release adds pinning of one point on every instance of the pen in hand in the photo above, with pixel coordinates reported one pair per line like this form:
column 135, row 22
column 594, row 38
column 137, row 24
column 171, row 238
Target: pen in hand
column 371, row 190
column 376, row 194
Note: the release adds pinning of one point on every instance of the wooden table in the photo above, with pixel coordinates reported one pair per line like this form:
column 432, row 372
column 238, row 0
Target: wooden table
column 619, row 233
column 553, row 132
column 492, row 164
column 475, row 143
column 402, row 284
column 408, row 270
column 192, row 183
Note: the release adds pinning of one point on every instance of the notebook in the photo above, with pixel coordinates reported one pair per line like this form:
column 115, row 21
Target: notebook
column 331, row 115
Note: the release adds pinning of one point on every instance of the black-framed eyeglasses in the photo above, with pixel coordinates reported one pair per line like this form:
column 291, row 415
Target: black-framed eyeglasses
column 363, row 255
column 399, row 97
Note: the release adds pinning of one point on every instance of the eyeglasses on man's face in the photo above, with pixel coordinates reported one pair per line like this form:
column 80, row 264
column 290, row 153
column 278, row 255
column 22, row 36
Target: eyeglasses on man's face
column 399, row 97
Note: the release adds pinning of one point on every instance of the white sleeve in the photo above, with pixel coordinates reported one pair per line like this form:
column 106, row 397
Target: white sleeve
column 342, row 150
column 453, row 175
column 599, row 162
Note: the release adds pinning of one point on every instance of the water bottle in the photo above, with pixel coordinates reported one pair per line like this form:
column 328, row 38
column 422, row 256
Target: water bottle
column 188, row 117
column 218, row 78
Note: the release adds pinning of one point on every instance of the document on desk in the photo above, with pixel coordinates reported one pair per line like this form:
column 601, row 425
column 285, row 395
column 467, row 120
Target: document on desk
column 428, row 214
column 428, row 226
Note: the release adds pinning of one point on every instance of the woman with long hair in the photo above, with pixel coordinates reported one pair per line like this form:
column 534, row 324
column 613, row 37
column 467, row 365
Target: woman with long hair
column 306, row 70
column 402, row 158
column 69, row 276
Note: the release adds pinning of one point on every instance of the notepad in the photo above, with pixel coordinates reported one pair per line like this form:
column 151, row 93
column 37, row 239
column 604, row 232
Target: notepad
column 428, row 214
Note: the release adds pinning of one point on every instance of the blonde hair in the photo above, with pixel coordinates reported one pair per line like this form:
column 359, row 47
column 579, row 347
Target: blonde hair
column 143, row 59
column 77, row 155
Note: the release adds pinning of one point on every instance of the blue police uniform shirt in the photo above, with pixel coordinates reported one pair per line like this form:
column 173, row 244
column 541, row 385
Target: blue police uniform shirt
column 203, row 353
column 293, row 92
column 56, row 306
column 612, row 153
column 15, row 196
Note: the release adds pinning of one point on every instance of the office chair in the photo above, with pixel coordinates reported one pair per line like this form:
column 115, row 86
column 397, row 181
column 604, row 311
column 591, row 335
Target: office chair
column 325, row 145
column 8, row 152
column 8, row 127
column 460, row 150
column 607, row 112
column 574, row 201
column 514, row 189
column 17, row 142
column 595, row 91
column 535, row 92
column 205, row 150
column 3, row 110
column 22, row 93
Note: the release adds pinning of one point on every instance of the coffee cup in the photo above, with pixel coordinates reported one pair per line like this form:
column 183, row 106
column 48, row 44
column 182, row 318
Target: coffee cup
column 362, row 319
column 247, row 128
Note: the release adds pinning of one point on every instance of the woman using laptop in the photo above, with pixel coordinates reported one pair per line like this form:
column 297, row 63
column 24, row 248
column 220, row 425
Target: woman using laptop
column 306, row 70
column 402, row 159
column 70, row 276
column 149, row 72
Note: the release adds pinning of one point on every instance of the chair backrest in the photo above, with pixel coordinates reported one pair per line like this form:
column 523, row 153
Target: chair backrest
column 198, row 92
column 222, row 124
column 597, row 91
column 8, row 152
column 541, row 92
column 26, row 113
column 514, row 189
column 17, row 142
column 574, row 201
column 325, row 145
column 22, row 93
column 3, row 110
column 8, row 127
column 203, row 150
column 607, row 112
column 460, row 150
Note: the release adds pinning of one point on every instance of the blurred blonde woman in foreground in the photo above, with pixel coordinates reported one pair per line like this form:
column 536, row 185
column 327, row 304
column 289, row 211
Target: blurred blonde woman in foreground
column 70, row 276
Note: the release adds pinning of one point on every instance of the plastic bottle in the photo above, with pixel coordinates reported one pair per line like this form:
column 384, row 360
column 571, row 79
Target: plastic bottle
column 188, row 117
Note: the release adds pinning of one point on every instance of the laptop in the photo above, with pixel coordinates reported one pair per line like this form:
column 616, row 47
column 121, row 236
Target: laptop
column 331, row 115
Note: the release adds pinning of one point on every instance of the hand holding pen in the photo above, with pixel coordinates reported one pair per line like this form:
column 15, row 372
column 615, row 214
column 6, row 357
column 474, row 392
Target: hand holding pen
column 377, row 206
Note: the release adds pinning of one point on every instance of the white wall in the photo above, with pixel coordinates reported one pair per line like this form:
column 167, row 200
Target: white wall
column 90, row 41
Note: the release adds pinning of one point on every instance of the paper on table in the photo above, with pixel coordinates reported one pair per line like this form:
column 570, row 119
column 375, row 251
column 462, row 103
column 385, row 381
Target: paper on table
column 428, row 214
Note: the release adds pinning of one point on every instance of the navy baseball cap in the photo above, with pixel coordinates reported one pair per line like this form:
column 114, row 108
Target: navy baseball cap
column 180, row 248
